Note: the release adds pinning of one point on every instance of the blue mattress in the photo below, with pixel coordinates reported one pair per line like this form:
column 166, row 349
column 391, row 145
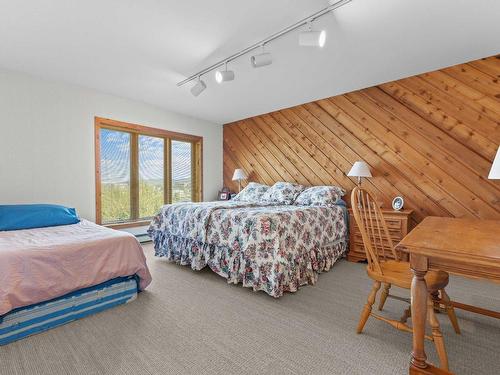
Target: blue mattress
column 29, row 320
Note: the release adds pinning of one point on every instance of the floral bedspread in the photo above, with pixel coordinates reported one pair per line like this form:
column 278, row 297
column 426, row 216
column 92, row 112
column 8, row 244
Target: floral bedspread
column 190, row 220
column 270, row 248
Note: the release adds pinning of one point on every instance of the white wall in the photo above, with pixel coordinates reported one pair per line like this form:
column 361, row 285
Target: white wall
column 47, row 140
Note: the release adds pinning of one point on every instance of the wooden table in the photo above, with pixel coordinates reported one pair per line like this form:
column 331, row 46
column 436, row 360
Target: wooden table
column 466, row 247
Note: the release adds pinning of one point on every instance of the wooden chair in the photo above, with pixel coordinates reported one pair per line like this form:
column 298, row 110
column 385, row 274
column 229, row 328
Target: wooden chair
column 376, row 240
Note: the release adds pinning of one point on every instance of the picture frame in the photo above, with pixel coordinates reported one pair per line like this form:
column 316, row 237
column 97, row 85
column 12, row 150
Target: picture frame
column 224, row 195
column 398, row 203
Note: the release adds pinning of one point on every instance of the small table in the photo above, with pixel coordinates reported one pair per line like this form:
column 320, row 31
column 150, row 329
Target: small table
column 466, row 247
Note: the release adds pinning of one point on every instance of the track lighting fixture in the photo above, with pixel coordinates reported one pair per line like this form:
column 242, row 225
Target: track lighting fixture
column 262, row 59
column 306, row 38
column 199, row 87
column 224, row 75
column 311, row 38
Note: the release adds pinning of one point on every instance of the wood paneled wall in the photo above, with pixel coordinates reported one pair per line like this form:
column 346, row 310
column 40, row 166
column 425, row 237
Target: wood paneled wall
column 429, row 138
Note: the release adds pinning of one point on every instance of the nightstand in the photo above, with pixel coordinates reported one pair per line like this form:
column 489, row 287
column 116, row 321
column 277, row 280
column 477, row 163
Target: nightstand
column 397, row 223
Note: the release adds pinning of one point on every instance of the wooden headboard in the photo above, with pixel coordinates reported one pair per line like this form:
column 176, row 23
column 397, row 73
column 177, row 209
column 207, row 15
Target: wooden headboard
column 430, row 138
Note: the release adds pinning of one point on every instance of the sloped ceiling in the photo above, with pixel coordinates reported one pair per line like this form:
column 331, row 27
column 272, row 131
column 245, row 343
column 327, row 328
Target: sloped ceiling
column 141, row 49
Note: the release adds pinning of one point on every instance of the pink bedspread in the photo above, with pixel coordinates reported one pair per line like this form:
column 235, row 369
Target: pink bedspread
column 40, row 264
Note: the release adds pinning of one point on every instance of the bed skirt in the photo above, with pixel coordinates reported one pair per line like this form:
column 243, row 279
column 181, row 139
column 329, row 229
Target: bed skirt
column 33, row 319
column 240, row 266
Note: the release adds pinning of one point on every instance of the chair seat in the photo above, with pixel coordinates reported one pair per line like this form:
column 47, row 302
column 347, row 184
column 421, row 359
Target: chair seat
column 400, row 274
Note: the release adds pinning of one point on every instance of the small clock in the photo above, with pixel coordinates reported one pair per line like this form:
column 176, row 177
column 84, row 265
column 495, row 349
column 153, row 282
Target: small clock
column 398, row 203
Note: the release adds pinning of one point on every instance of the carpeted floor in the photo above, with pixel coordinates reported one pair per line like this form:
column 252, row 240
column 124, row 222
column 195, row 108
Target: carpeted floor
column 195, row 323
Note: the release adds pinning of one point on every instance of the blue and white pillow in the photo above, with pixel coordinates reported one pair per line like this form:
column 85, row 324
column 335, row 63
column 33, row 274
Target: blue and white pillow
column 320, row 196
column 283, row 193
column 253, row 192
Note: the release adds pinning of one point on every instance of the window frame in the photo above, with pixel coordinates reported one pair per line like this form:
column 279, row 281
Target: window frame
column 135, row 130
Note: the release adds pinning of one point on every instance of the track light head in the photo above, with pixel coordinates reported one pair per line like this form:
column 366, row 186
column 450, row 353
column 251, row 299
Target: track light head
column 311, row 38
column 262, row 59
column 224, row 75
column 198, row 88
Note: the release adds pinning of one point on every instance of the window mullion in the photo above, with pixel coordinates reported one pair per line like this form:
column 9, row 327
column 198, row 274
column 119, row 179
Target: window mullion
column 199, row 170
column 134, row 176
column 193, row 173
column 167, row 170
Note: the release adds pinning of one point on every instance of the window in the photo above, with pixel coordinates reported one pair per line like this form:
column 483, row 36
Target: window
column 139, row 169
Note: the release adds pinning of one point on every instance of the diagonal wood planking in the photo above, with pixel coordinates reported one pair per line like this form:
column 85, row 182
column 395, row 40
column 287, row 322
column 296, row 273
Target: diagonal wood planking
column 430, row 138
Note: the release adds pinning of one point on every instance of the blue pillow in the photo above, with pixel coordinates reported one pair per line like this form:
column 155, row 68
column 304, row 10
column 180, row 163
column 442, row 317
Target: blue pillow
column 27, row 216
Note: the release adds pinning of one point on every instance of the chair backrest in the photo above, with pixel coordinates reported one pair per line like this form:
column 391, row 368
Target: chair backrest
column 373, row 228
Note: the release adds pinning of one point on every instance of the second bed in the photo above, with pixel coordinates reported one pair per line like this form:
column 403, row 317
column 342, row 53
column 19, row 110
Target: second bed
column 268, row 247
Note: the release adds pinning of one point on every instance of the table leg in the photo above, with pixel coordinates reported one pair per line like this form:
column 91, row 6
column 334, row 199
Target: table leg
column 419, row 293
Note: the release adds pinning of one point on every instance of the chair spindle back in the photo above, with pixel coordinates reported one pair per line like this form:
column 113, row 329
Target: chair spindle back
column 373, row 228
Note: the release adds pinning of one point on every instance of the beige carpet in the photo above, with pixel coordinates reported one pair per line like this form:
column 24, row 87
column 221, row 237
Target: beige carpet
column 195, row 323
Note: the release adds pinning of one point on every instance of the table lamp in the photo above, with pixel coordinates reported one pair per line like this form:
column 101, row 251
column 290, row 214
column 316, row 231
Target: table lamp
column 495, row 168
column 239, row 174
column 360, row 169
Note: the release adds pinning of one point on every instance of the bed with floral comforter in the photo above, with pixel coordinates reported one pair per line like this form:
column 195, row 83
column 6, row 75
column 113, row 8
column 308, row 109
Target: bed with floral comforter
column 274, row 248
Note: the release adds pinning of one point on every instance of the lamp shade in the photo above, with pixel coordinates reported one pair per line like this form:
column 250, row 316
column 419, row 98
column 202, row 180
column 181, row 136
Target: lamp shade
column 495, row 168
column 239, row 174
column 360, row 169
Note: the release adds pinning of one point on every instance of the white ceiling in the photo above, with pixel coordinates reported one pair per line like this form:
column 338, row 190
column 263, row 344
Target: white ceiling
column 141, row 49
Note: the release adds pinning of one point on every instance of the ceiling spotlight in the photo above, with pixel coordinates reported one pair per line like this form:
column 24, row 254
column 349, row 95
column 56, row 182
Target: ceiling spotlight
column 262, row 59
column 311, row 38
column 199, row 87
column 224, row 75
